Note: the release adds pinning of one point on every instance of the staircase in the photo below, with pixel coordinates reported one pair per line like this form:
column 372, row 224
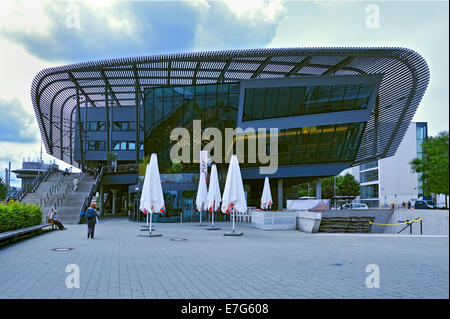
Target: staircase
column 57, row 192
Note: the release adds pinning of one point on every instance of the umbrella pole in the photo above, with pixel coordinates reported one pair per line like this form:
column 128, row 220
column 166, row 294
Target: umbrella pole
column 201, row 211
column 212, row 222
column 233, row 219
column 150, row 223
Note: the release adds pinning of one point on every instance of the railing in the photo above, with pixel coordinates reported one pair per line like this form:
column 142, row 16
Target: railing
column 92, row 191
column 410, row 223
column 54, row 189
column 31, row 188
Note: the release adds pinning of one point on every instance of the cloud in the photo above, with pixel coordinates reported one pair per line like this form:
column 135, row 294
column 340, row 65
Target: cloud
column 16, row 125
column 82, row 30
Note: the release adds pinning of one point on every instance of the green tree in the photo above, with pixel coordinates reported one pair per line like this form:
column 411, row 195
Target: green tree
column 348, row 186
column 433, row 165
column 307, row 189
column 142, row 166
column 3, row 190
column 176, row 167
column 328, row 187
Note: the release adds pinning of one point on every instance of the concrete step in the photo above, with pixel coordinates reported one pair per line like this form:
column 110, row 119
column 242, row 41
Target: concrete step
column 68, row 210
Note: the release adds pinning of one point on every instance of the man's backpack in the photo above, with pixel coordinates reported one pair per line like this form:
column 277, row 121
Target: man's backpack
column 90, row 214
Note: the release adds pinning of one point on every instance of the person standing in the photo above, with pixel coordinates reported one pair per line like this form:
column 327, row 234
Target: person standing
column 75, row 184
column 91, row 217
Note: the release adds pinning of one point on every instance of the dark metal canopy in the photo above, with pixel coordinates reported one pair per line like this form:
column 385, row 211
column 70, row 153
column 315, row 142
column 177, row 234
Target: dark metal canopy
column 405, row 78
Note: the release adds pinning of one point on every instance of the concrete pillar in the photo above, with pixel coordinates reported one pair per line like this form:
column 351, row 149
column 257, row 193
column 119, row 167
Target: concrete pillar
column 319, row 189
column 102, row 204
column 114, row 199
column 280, row 193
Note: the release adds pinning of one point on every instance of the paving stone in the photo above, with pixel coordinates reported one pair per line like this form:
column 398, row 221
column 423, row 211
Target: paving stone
column 261, row 264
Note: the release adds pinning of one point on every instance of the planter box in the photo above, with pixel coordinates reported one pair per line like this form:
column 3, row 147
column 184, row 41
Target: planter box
column 274, row 220
column 308, row 222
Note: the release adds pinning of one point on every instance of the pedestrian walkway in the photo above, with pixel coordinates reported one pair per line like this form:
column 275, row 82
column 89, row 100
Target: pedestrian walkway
column 119, row 263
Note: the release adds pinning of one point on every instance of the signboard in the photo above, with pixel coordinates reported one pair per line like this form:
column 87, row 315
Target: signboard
column 204, row 163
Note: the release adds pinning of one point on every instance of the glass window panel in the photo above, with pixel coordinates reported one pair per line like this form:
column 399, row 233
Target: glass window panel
column 234, row 88
column 189, row 92
column 248, row 104
column 123, row 146
column 158, row 92
column 211, row 89
column 200, row 90
column 270, row 107
column 167, row 92
column 297, row 98
column 131, row 146
column 233, row 101
column 116, row 146
column 258, row 102
column 222, row 88
column 222, row 99
column 283, row 102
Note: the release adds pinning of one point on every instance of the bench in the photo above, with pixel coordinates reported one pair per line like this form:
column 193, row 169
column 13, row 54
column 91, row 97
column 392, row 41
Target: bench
column 15, row 234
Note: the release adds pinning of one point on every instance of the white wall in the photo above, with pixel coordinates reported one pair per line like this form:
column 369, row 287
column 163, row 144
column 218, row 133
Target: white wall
column 397, row 182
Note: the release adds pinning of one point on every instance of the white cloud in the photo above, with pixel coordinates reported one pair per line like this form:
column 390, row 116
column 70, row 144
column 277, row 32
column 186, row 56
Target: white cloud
column 256, row 11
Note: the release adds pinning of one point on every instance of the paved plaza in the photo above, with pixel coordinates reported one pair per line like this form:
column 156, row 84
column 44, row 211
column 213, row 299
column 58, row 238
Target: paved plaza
column 119, row 263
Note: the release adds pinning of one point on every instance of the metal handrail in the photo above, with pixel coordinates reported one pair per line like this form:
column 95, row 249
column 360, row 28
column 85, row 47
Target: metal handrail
column 31, row 188
column 91, row 191
column 409, row 224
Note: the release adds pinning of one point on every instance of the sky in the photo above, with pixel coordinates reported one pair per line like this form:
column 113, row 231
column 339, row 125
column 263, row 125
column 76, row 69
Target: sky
column 37, row 34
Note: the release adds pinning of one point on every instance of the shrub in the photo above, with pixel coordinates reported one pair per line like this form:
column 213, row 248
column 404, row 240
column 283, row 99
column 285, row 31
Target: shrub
column 15, row 215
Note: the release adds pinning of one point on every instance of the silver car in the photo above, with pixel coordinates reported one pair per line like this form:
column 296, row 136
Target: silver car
column 354, row 206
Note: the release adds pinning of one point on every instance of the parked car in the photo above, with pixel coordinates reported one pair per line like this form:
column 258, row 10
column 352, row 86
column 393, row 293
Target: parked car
column 425, row 204
column 354, row 206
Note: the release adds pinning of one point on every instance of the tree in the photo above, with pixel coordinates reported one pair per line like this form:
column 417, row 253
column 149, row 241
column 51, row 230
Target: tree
column 348, row 186
column 433, row 165
column 142, row 166
column 307, row 189
column 3, row 190
column 176, row 167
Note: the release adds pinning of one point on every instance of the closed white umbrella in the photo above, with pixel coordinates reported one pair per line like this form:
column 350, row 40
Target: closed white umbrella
column 266, row 198
column 202, row 194
column 152, row 198
column 233, row 195
column 144, row 196
column 213, row 199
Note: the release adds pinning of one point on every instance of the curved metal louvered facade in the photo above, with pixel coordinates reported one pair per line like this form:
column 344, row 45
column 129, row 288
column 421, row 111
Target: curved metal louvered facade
column 405, row 79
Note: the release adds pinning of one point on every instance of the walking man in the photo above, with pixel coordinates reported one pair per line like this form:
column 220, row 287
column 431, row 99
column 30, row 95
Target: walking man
column 91, row 216
column 75, row 184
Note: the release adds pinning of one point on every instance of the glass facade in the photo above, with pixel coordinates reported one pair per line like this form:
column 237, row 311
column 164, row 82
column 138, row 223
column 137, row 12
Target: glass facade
column 421, row 135
column 95, row 125
column 369, row 191
column 96, row 145
column 368, row 176
column 303, row 100
column 371, row 202
column 116, row 125
column 216, row 105
column 125, row 146
column 368, row 165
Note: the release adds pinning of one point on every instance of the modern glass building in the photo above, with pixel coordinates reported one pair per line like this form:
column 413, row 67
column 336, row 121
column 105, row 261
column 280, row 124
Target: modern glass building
column 328, row 108
column 390, row 180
